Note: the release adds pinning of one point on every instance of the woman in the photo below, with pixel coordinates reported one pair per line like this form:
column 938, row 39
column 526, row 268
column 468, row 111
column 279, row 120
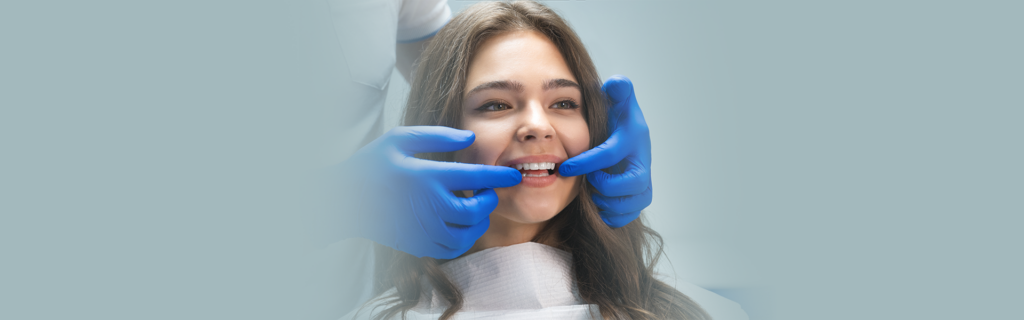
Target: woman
column 518, row 77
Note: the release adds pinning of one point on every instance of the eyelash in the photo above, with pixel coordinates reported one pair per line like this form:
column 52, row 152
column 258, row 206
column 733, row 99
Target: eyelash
column 572, row 104
column 488, row 105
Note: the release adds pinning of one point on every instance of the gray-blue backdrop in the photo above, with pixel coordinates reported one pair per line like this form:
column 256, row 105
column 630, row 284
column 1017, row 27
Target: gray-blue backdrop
column 812, row 160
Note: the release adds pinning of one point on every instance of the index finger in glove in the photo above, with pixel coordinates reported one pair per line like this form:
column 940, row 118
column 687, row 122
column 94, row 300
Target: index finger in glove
column 465, row 176
column 603, row 156
column 421, row 139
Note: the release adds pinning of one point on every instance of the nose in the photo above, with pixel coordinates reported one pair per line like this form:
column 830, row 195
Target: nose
column 535, row 125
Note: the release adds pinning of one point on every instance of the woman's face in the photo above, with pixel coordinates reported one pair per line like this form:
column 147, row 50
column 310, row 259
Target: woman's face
column 524, row 105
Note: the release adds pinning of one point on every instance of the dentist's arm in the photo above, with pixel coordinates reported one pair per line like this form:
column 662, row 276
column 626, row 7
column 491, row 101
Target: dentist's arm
column 626, row 153
column 406, row 55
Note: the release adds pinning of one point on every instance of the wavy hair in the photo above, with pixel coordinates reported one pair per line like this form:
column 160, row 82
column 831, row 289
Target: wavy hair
column 613, row 268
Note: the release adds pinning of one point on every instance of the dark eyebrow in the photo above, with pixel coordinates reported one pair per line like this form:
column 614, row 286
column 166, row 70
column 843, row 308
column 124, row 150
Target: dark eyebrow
column 560, row 83
column 501, row 85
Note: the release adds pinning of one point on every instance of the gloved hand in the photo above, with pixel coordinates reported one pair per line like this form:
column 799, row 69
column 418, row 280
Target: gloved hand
column 406, row 203
column 626, row 153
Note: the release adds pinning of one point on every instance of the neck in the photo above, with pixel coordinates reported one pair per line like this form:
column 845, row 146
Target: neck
column 503, row 232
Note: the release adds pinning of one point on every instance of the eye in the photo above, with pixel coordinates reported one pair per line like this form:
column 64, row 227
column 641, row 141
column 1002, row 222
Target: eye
column 565, row 104
column 494, row 106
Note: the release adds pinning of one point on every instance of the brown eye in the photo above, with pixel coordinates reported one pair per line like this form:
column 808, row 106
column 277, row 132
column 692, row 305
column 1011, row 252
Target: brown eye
column 494, row 106
column 565, row 104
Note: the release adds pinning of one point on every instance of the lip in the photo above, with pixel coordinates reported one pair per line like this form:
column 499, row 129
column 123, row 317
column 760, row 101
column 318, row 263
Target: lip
column 538, row 182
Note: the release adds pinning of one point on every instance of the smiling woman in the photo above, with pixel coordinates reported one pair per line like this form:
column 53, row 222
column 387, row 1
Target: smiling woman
column 518, row 77
column 525, row 110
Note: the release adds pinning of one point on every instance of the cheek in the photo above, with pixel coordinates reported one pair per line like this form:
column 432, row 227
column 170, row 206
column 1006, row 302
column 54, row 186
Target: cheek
column 476, row 153
column 575, row 137
column 486, row 148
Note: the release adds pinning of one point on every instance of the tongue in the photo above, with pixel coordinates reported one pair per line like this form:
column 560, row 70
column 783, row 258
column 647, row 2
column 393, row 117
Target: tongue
column 545, row 171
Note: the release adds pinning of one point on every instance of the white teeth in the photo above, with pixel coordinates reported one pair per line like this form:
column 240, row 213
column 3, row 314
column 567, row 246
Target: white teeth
column 536, row 166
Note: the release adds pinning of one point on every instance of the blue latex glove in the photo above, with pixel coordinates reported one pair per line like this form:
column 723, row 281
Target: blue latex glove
column 406, row 203
column 627, row 154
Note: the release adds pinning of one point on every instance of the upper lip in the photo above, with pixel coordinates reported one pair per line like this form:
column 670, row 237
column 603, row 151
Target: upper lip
column 535, row 159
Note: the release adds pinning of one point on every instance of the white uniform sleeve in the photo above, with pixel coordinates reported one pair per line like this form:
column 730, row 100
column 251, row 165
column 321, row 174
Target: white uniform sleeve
column 420, row 19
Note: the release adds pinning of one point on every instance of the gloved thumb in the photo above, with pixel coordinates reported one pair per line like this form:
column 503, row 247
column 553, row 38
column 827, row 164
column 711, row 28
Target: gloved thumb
column 618, row 88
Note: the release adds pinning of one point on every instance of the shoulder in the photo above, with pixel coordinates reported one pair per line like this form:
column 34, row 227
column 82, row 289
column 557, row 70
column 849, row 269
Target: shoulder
column 418, row 20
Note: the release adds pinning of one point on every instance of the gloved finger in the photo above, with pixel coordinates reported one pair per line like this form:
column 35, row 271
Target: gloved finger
column 438, row 230
column 464, row 176
column 443, row 251
column 619, row 220
column 603, row 156
column 414, row 239
column 470, row 211
column 625, row 111
column 618, row 88
column 420, row 139
column 626, row 204
column 634, row 180
column 469, row 234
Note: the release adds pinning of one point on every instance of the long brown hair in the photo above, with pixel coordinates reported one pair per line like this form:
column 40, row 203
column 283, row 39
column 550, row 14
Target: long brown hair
column 613, row 268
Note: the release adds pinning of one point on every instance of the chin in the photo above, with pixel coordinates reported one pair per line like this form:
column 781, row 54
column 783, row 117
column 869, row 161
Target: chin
column 535, row 211
column 534, row 207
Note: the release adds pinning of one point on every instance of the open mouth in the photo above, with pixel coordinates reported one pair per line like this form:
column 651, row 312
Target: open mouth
column 537, row 169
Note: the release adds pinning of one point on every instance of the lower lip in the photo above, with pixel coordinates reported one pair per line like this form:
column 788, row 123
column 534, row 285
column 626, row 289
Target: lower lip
column 540, row 182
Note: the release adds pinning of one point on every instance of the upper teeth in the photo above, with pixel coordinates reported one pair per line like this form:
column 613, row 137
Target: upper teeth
column 536, row 166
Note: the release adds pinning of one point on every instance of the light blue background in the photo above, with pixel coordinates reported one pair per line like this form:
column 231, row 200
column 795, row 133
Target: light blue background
column 813, row 160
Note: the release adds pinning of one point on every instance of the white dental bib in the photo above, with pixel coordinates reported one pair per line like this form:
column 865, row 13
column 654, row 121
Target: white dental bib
column 523, row 281
column 528, row 281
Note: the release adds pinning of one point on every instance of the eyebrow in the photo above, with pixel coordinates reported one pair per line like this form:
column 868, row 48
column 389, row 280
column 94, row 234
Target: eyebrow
column 560, row 83
column 518, row 87
column 501, row 85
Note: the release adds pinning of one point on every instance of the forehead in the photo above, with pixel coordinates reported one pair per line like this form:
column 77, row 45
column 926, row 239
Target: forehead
column 525, row 56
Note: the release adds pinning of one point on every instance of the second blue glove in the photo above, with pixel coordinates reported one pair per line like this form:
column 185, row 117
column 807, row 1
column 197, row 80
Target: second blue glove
column 627, row 154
